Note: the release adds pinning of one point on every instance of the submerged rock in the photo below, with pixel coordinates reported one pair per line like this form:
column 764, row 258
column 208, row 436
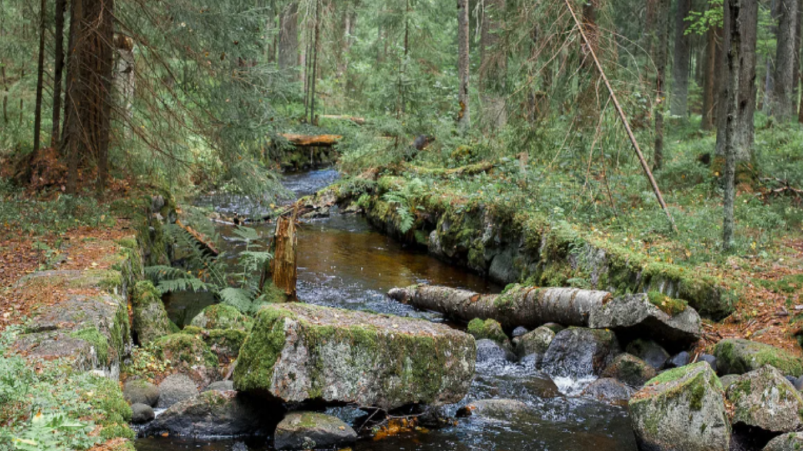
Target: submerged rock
column 630, row 370
column 299, row 352
column 541, row 386
column 735, row 356
column 221, row 316
column 497, row 409
column 535, row 342
column 576, row 352
column 176, row 388
column 490, row 352
column 141, row 413
column 141, row 392
column 649, row 351
column 149, row 314
column 309, row 430
column 488, row 329
column 766, row 400
column 787, row 442
column 609, row 391
column 682, row 409
column 210, row 413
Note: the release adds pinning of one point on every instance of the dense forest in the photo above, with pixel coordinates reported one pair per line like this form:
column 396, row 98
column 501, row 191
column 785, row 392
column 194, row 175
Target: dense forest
column 539, row 173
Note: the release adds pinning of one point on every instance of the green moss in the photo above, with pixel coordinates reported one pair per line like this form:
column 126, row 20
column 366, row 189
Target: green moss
column 261, row 349
column 666, row 304
column 490, row 329
column 742, row 356
column 696, row 399
column 93, row 336
column 222, row 316
column 149, row 314
column 184, row 349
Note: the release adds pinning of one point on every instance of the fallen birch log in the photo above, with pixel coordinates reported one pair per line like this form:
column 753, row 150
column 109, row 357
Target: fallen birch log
column 312, row 140
column 532, row 307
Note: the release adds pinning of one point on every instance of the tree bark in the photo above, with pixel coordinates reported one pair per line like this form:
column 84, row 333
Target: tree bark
column 769, row 85
column 660, row 57
column 464, row 116
column 283, row 265
column 40, row 75
column 782, row 100
column 288, row 39
column 709, row 103
column 125, row 80
column 682, row 59
column 493, row 66
column 58, row 73
column 734, row 16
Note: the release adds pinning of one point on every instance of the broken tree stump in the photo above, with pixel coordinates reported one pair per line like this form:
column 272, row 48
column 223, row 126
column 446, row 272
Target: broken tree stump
column 283, row 265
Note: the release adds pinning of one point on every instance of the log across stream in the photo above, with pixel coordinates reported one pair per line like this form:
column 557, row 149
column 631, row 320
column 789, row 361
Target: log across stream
column 344, row 263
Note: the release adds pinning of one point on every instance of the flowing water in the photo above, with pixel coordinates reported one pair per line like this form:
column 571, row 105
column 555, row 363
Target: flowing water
column 344, row 263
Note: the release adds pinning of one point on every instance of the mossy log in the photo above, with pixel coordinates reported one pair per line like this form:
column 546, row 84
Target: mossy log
column 531, row 307
column 312, row 140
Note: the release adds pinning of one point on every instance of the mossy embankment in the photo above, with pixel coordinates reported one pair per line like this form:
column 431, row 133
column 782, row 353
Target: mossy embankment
column 521, row 245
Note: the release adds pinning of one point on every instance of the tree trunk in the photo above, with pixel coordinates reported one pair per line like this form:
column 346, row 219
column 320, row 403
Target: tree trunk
column 283, row 265
column 493, row 66
column 288, row 39
column 769, row 85
column 464, row 116
column 709, row 104
column 40, row 75
column 58, row 74
column 733, row 13
column 125, row 80
column 660, row 57
column 315, row 50
column 782, row 100
column 682, row 59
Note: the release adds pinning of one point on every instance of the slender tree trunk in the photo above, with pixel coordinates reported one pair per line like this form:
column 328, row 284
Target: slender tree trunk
column 769, row 85
column 682, row 59
column 709, row 104
column 464, row 116
column 493, row 66
column 58, row 73
column 5, row 94
column 315, row 50
column 734, row 18
column 125, row 80
column 40, row 75
column 796, row 64
column 782, row 101
column 288, row 39
column 660, row 57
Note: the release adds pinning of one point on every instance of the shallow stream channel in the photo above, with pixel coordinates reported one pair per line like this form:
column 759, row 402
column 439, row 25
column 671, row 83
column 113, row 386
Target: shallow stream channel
column 344, row 263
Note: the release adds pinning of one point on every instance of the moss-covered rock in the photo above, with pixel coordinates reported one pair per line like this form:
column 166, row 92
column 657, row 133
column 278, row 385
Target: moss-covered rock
column 308, row 430
column 149, row 314
column 536, row 341
column 787, row 442
column 683, row 408
column 211, row 413
column 629, row 369
column 765, row 399
column 221, row 316
column 188, row 354
column 578, row 352
column 490, row 329
column 300, row 352
column 735, row 356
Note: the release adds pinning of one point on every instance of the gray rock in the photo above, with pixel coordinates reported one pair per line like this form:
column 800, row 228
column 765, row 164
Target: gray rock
column 766, row 400
column 519, row 331
column 709, row 359
column 141, row 413
column 554, row 327
column 682, row 409
column 176, row 388
column 742, row 356
column 630, row 370
column 649, row 351
column 679, row 360
column 576, row 352
column 728, row 380
column 298, row 352
column 535, row 342
column 219, row 386
column 798, row 383
column 308, row 430
column 490, row 352
column 141, row 392
column 221, row 413
column 787, row 442
column 497, row 409
column 541, row 386
column 609, row 391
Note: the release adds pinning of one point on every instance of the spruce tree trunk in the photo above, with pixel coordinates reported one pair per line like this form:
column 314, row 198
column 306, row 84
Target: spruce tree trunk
column 734, row 18
column 464, row 115
column 660, row 58
column 493, row 66
column 709, row 103
column 58, row 73
column 125, row 80
column 769, row 84
column 682, row 59
column 40, row 75
column 782, row 100
column 288, row 39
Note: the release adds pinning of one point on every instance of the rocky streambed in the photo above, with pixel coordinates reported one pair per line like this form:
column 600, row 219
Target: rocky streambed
column 593, row 382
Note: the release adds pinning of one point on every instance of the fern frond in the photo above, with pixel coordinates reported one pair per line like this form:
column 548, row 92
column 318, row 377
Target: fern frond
column 185, row 284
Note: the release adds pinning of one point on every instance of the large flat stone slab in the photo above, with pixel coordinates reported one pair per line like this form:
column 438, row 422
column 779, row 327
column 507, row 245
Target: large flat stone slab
column 301, row 352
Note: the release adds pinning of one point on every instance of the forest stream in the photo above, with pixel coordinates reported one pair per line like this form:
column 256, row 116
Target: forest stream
column 344, row 263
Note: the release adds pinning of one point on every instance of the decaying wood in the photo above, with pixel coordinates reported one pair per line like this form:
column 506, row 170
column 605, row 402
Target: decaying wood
column 283, row 265
column 355, row 119
column 471, row 169
column 312, row 140
column 200, row 238
column 530, row 307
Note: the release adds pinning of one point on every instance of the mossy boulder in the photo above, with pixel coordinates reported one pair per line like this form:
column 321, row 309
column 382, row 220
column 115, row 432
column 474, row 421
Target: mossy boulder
column 765, row 399
column 149, row 314
column 224, row 343
column 211, row 413
column 630, row 370
column 221, row 316
column 311, row 430
column 490, row 329
column 190, row 355
column 736, row 356
column 682, row 409
column 787, row 442
column 140, row 391
column 536, row 342
column 578, row 352
column 300, row 352
column 609, row 391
